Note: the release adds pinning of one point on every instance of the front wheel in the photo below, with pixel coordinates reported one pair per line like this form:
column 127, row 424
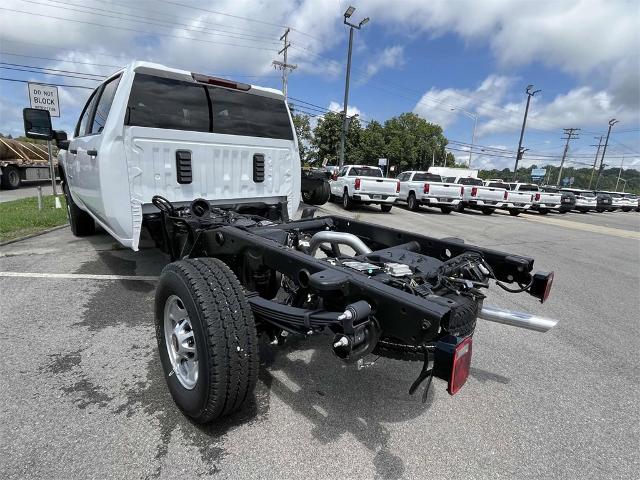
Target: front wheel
column 514, row 213
column 446, row 210
column 487, row 211
column 206, row 337
column 80, row 221
column 386, row 207
column 347, row 203
column 543, row 211
column 460, row 208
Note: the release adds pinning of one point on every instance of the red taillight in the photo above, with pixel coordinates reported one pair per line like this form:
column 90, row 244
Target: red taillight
column 504, row 197
column 541, row 285
column 398, row 186
column 474, row 191
column 537, row 197
column 461, row 191
column 357, row 184
column 426, row 188
column 461, row 365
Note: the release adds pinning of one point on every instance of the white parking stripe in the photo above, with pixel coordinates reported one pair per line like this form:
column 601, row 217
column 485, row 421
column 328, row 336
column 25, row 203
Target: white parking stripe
column 79, row 276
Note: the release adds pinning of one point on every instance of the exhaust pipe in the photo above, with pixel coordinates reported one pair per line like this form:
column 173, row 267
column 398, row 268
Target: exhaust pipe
column 517, row 319
column 337, row 238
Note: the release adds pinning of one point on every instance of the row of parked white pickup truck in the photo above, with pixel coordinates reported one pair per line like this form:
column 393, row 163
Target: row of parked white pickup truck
column 361, row 184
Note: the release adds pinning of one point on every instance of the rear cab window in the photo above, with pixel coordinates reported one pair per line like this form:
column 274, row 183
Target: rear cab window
column 158, row 102
column 498, row 185
column 427, row 177
column 366, row 172
column 470, row 181
column 528, row 188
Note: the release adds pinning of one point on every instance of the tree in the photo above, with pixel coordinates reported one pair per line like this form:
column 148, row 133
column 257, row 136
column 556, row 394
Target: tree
column 372, row 145
column 326, row 139
column 303, row 132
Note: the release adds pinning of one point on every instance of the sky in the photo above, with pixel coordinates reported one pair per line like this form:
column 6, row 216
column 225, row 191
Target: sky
column 449, row 61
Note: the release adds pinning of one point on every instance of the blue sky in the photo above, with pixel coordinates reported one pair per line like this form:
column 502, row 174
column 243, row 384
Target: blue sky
column 448, row 61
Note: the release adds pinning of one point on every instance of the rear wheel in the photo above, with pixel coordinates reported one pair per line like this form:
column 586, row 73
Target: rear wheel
column 446, row 210
column 386, row 207
column 514, row 213
column 412, row 202
column 206, row 337
column 347, row 203
column 80, row 221
column 487, row 211
column 10, row 178
column 543, row 211
column 460, row 208
column 319, row 195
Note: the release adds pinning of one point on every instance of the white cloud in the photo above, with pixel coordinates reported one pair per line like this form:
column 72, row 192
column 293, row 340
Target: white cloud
column 351, row 110
column 390, row 57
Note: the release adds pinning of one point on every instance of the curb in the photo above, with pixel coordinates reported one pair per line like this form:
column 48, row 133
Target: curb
column 37, row 234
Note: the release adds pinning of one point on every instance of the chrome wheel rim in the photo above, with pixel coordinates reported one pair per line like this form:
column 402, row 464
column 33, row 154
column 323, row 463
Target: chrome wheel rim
column 345, row 200
column 180, row 342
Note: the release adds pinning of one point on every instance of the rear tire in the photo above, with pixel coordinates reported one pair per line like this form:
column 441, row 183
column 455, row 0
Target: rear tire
column 543, row 211
column 347, row 203
column 385, row 208
column 221, row 336
column 514, row 213
column 461, row 208
column 487, row 211
column 10, row 178
column 80, row 221
column 412, row 202
column 318, row 196
column 446, row 210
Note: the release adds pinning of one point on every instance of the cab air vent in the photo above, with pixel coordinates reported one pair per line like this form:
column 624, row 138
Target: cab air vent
column 183, row 166
column 258, row 168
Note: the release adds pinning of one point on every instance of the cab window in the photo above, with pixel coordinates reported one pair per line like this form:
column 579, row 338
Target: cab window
column 104, row 105
column 83, row 121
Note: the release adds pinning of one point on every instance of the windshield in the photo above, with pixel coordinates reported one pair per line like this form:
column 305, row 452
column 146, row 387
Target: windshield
column 470, row 181
column 366, row 172
column 427, row 177
column 179, row 105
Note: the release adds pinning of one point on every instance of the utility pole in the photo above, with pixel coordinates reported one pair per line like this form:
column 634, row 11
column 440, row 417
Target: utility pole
column 619, row 173
column 595, row 160
column 570, row 133
column 343, row 135
column 284, row 66
column 612, row 122
column 519, row 153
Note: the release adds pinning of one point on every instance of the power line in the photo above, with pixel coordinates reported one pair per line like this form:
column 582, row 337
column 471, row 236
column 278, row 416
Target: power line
column 42, row 83
column 54, row 69
column 59, row 60
column 51, row 74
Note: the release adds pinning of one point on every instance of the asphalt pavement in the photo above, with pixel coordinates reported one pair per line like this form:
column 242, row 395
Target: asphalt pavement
column 82, row 394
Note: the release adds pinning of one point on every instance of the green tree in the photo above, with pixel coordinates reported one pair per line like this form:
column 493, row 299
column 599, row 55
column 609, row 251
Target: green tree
column 303, row 132
column 373, row 144
column 326, row 139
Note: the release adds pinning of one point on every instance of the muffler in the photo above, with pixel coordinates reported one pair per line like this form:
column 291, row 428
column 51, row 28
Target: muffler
column 517, row 319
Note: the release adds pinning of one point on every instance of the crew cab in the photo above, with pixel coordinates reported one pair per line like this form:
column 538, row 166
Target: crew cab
column 364, row 184
column 515, row 202
column 423, row 188
column 543, row 202
column 477, row 196
column 210, row 168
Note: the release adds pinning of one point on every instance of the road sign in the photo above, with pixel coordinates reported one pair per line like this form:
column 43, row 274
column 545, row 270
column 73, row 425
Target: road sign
column 571, row 180
column 382, row 162
column 538, row 172
column 44, row 97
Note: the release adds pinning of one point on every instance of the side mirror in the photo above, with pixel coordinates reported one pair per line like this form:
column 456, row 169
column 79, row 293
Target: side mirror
column 60, row 137
column 37, row 123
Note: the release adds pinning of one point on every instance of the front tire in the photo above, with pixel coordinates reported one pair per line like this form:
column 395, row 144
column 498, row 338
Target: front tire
column 514, row 213
column 543, row 211
column 80, row 221
column 461, row 208
column 446, row 210
column 10, row 178
column 347, row 203
column 206, row 337
column 487, row 211
column 385, row 208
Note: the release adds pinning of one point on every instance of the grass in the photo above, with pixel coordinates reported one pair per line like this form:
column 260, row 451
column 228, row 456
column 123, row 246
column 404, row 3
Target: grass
column 19, row 218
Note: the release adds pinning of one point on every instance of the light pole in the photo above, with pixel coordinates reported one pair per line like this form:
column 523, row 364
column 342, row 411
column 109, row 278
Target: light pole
column 530, row 94
column 474, row 116
column 612, row 122
column 343, row 135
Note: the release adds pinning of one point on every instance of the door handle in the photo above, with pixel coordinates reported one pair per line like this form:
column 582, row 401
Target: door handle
column 92, row 153
column 73, row 151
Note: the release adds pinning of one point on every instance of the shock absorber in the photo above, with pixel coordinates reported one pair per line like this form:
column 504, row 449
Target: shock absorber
column 360, row 333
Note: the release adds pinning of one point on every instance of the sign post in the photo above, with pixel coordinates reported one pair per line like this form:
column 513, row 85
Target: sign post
column 45, row 97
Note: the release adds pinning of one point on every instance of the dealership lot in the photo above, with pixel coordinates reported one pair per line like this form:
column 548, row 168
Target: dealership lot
column 83, row 394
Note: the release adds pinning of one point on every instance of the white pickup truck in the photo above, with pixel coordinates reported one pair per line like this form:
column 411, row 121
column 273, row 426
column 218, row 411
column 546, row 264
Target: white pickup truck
column 423, row 188
column 477, row 196
column 543, row 202
column 515, row 202
column 364, row 184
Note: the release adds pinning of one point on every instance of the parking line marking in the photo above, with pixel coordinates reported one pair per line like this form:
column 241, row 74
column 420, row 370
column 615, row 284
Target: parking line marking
column 79, row 276
column 616, row 232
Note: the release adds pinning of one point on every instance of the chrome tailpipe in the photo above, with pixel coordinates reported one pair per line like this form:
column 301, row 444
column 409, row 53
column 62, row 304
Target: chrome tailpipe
column 517, row 319
column 337, row 238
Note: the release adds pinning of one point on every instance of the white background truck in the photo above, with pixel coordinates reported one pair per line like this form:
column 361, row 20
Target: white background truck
column 364, row 184
column 543, row 202
column 477, row 196
column 514, row 202
column 422, row 188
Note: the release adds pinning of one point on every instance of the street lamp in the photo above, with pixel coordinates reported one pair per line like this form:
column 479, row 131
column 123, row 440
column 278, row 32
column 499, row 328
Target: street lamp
column 474, row 116
column 364, row 21
column 530, row 93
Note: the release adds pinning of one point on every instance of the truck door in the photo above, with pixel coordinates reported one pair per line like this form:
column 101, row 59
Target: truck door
column 72, row 171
